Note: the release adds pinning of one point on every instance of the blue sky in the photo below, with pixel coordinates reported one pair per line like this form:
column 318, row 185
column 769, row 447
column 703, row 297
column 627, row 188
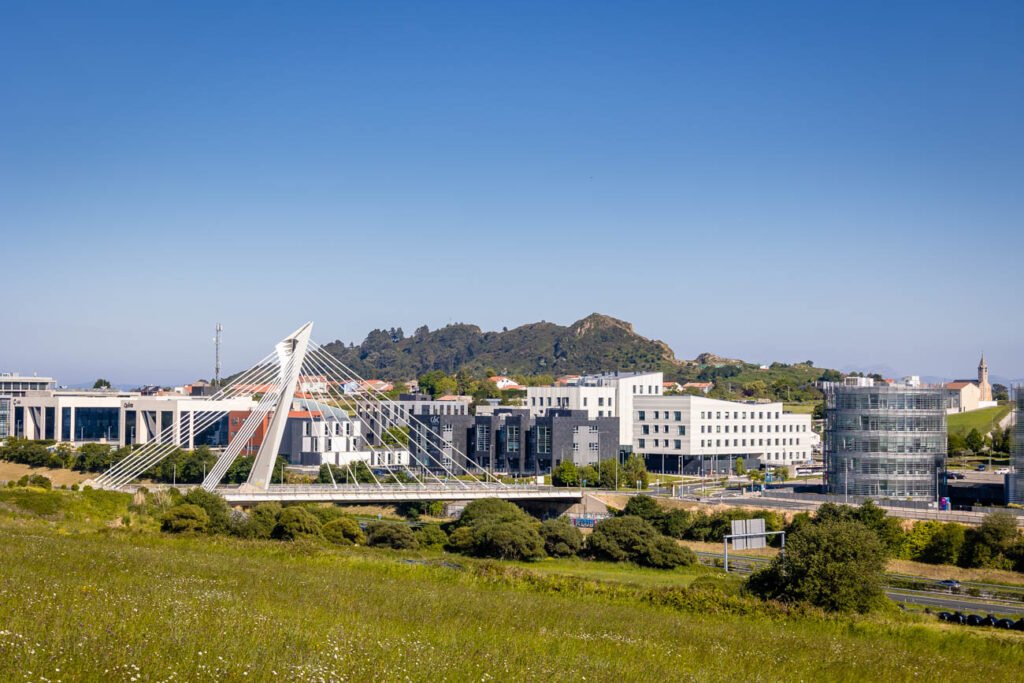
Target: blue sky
column 771, row 181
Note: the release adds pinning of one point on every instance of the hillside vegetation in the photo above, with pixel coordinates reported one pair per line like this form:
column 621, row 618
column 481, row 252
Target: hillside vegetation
column 983, row 420
column 126, row 605
column 598, row 343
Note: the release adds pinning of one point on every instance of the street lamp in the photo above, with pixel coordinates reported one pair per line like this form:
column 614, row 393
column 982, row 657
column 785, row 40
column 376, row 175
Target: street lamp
column 638, row 486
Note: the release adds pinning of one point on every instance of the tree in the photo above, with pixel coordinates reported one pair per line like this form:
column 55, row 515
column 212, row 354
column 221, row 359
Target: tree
column 645, row 507
column 992, row 544
column 837, row 565
column 740, row 467
column 101, row 384
column 185, row 518
column 956, row 443
column 437, row 383
column 344, row 531
column 635, row 470
column 391, row 535
column 565, row 474
column 975, row 441
column 261, row 521
column 561, row 539
column 945, row 545
column 295, row 523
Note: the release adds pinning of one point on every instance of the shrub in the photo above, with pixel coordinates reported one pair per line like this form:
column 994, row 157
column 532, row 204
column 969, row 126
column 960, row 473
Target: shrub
column 215, row 506
column 431, row 536
column 36, row 480
column 836, row 565
column 490, row 509
column 508, row 540
column 326, row 513
column 391, row 535
column 565, row 474
column 294, row 523
column 644, row 507
column 185, row 518
column 561, row 539
column 945, row 545
column 664, row 553
column 993, row 543
column 631, row 539
column 257, row 523
column 344, row 531
column 621, row 539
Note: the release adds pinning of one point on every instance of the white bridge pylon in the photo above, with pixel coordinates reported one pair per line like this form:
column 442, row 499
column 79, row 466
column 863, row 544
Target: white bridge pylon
column 299, row 370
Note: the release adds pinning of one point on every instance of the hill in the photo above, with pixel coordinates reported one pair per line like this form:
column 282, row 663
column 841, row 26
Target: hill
column 983, row 420
column 119, row 602
column 595, row 344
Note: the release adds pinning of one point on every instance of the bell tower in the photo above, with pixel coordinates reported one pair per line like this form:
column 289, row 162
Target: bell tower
column 983, row 385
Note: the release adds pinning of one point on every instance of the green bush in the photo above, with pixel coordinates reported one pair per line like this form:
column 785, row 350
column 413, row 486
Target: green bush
column 561, row 539
column 491, row 510
column 185, row 518
column 508, row 540
column 344, row 531
column 36, row 480
column 215, row 506
column 257, row 523
column 836, row 565
column 294, row 523
column 632, row 539
column 391, row 535
column 431, row 536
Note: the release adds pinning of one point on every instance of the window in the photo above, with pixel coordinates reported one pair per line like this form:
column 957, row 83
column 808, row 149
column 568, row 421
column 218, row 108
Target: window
column 600, row 400
column 641, row 415
column 682, row 430
column 543, row 439
column 585, row 402
column 646, row 429
column 641, row 443
column 679, row 416
column 678, row 444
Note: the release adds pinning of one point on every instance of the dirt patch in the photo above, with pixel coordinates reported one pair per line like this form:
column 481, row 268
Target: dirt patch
column 13, row 471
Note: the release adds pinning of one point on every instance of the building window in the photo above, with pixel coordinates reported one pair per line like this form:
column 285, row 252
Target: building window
column 543, row 439
column 642, row 443
column 678, row 444
column 682, row 430
column 641, row 415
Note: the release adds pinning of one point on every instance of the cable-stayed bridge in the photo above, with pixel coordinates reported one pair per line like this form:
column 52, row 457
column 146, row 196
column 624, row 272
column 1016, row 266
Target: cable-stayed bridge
column 299, row 367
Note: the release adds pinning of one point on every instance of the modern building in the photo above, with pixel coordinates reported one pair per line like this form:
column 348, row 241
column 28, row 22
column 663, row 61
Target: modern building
column 318, row 434
column 511, row 440
column 690, row 434
column 12, row 385
column 377, row 417
column 885, row 441
column 962, row 396
column 605, row 395
column 1015, row 480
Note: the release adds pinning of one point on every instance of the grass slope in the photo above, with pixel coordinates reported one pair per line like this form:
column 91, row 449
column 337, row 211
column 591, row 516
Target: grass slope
column 983, row 420
column 127, row 605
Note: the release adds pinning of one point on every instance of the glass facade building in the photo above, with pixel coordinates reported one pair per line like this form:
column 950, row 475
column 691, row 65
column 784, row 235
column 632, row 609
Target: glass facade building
column 1015, row 492
column 885, row 441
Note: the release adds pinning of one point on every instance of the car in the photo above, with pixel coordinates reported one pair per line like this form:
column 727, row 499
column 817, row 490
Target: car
column 950, row 584
column 981, row 468
column 1003, row 470
column 1005, row 623
column 975, row 620
column 955, row 475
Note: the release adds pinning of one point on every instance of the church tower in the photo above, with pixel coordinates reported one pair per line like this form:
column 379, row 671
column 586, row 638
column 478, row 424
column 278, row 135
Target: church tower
column 983, row 385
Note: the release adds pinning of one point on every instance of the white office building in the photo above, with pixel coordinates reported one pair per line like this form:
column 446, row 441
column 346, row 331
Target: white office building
column 13, row 385
column 606, row 395
column 681, row 433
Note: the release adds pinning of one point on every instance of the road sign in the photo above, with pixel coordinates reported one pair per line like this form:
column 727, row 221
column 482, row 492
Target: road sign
column 749, row 534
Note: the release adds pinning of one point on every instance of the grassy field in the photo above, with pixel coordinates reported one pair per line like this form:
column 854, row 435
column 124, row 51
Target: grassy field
column 87, row 596
column 983, row 420
column 800, row 408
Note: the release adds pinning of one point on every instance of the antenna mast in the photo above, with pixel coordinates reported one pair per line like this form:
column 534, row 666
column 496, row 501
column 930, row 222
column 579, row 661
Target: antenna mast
column 216, row 368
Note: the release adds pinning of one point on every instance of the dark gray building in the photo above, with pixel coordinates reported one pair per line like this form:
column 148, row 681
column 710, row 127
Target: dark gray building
column 885, row 441
column 510, row 441
column 1015, row 480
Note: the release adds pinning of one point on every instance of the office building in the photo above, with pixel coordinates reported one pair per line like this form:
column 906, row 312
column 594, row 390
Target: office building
column 605, row 395
column 694, row 434
column 1015, row 480
column 885, row 441
column 377, row 417
column 13, row 385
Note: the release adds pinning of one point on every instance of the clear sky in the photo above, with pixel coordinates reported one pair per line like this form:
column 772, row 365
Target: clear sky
column 840, row 182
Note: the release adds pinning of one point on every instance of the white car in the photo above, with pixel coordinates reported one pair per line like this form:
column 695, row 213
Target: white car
column 1003, row 470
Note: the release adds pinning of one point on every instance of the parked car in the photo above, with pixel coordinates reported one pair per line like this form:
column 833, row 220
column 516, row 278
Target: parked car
column 1003, row 470
column 1005, row 623
column 955, row 475
column 950, row 584
column 981, row 468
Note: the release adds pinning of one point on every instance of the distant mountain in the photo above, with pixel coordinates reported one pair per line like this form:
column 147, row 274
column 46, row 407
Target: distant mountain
column 597, row 343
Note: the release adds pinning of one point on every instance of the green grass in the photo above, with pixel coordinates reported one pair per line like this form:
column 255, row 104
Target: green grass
column 126, row 604
column 800, row 408
column 983, row 420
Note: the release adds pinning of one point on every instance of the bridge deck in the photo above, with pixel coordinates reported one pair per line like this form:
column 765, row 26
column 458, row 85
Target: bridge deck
column 392, row 493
